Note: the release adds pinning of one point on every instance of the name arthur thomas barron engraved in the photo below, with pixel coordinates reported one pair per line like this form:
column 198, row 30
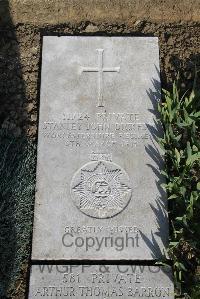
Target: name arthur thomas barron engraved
column 102, row 190
column 99, row 166
column 100, row 281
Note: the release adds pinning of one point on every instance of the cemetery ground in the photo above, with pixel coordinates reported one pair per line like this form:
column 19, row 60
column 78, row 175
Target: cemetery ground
column 20, row 59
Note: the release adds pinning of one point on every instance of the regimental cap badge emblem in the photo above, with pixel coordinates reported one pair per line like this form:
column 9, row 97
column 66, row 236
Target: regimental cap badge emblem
column 101, row 189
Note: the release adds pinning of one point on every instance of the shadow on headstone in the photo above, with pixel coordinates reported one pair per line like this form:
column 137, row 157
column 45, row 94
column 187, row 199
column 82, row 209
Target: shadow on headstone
column 17, row 163
column 160, row 209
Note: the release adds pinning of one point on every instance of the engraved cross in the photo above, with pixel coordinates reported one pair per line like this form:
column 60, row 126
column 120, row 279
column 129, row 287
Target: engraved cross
column 100, row 70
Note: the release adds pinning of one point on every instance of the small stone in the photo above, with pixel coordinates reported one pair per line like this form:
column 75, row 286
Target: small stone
column 32, row 130
column 34, row 50
column 30, row 107
column 33, row 117
column 138, row 22
column 91, row 28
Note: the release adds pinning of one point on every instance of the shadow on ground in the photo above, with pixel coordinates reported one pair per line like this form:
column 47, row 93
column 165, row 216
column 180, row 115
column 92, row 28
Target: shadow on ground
column 17, row 166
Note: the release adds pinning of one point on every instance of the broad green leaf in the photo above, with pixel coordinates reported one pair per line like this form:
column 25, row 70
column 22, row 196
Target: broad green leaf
column 164, row 173
column 173, row 244
column 195, row 148
column 181, row 266
column 178, row 137
column 193, row 158
column 189, row 150
column 177, row 154
column 173, row 196
column 179, row 218
column 192, row 95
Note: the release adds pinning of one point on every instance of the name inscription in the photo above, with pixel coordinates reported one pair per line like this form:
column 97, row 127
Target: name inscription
column 102, row 281
column 101, row 130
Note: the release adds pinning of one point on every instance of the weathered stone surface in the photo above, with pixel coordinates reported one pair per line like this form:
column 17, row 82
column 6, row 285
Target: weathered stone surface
column 100, row 281
column 98, row 174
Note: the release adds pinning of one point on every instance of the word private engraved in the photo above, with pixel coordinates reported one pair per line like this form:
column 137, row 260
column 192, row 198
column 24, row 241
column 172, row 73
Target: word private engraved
column 101, row 189
column 100, row 70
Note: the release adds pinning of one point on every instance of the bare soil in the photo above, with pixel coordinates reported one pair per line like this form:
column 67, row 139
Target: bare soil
column 127, row 11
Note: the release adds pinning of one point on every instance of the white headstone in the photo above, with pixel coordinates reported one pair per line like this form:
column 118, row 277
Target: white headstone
column 99, row 166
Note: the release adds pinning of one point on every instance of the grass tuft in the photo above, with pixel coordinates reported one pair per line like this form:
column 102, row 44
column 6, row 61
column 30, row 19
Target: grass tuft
column 17, row 184
column 180, row 117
